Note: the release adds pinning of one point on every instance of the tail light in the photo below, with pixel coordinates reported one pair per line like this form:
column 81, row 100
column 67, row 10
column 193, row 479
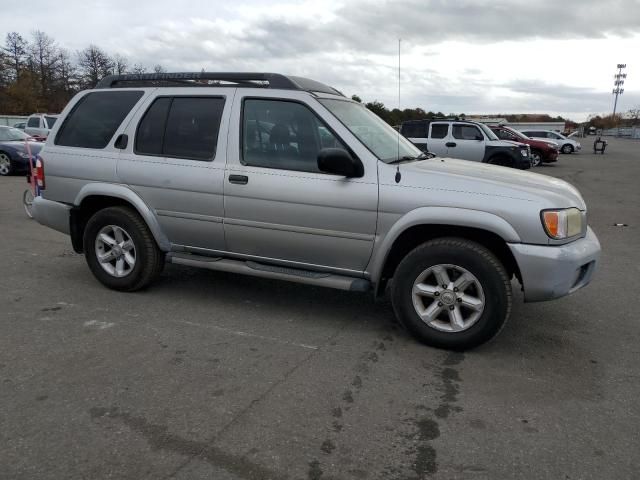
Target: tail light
column 39, row 173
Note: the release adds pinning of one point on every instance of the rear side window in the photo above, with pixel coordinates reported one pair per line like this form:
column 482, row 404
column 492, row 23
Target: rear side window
column 95, row 118
column 50, row 121
column 33, row 122
column 181, row 127
column 439, row 130
column 466, row 132
column 415, row 130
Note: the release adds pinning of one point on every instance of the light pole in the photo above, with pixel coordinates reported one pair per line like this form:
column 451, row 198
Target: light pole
column 618, row 85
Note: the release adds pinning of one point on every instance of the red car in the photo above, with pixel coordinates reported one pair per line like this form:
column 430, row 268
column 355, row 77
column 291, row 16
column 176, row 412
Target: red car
column 541, row 150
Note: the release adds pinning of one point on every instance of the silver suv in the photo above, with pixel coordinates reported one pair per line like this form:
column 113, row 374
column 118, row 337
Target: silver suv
column 284, row 178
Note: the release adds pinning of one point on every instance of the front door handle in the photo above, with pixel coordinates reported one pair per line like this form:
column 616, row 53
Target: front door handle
column 239, row 179
column 450, row 144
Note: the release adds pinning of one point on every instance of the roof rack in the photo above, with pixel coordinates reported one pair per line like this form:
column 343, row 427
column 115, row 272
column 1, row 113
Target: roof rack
column 216, row 79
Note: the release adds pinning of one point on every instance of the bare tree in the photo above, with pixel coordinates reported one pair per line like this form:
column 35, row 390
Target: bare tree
column 16, row 50
column 138, row 68
column 159, row 69
column 94, row 64
column 43, row 56
column 120, row 64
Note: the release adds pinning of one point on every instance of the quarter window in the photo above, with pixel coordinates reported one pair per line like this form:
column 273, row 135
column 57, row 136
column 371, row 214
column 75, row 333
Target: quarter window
column 466, row 132
column 95, row 118
column 415, row 130
column 181, row 127
column 283, row 135
column 439, row 130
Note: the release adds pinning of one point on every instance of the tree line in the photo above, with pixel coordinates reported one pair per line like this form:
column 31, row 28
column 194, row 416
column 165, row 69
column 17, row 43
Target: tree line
column 38, row 75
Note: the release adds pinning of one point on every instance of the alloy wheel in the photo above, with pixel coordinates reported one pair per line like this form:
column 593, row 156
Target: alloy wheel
column 448, row 298
column 115, row 251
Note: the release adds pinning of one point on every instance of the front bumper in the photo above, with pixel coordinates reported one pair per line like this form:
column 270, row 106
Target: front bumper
column 52, row 214
column 550, row 156
column 553, row 271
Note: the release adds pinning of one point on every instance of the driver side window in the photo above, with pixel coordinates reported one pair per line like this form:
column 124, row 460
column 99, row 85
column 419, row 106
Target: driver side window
column 283, row 135
column 467, row 132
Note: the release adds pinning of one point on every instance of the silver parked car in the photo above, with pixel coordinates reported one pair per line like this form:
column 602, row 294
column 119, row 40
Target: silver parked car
column 566, row 144
column 284, row 178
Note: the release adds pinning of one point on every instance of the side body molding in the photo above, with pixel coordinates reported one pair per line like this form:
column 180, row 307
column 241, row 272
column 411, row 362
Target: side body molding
column 125, row 193
column 460, row 217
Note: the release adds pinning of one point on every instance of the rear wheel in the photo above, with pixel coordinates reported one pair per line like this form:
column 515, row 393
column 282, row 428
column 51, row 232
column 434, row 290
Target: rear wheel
column 452, row 293
column 567, row 148
column 27, row 201
column 5, row 164
column 120, row 250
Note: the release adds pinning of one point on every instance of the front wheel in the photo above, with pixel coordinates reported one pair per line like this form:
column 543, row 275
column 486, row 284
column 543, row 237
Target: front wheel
column 120, row 249
column 567, row 148
column 452, row 293
column 536, row 158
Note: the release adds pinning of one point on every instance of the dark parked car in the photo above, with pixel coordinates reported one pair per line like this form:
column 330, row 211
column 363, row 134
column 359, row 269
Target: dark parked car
column 541, row 150
column 13, row 152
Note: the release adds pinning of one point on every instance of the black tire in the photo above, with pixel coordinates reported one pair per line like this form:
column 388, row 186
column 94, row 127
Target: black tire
column 501, row 160
column 567, row 148
column 477, row 260
column 536, row 158
column 7, row 165
column 149, row 258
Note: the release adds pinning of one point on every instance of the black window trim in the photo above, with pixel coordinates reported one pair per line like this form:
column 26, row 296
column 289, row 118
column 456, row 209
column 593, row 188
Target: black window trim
column 290, row 100
column 75, row 107
column 177, row 157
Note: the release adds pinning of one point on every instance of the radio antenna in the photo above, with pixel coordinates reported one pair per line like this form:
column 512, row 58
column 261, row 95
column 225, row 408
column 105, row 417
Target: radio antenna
column 398, row 175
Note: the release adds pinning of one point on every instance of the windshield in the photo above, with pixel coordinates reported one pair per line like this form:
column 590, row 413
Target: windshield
column 12, row 134
column 488, row 132
column 517, row 133
column 51, row 121
column 380, row 138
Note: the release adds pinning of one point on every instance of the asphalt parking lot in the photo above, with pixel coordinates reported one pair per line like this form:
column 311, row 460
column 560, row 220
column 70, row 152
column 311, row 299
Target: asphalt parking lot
column 217, row 376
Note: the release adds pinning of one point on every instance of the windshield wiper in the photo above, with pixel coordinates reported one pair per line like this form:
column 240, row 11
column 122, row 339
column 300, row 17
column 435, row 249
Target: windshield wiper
column 409, row 158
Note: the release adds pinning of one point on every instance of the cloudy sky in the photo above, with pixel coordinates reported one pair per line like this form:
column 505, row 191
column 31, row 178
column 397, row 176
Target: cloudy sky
column 463, row 56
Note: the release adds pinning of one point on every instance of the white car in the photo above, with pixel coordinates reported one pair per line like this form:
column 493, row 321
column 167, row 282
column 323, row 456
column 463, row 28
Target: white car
column 40, row 124
column 567, row 145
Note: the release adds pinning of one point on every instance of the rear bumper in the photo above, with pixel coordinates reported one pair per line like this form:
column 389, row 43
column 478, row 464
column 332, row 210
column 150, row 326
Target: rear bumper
column 550, row 272
column 52, row 214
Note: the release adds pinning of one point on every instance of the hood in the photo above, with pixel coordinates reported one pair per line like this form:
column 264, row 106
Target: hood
column 505, row 143
column 495, row 181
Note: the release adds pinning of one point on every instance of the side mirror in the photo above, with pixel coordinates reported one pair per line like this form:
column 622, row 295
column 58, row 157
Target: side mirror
column 479, row 137
column 339, row 162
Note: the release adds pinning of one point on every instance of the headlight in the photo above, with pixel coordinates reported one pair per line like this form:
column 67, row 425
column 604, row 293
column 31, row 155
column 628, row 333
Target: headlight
column 560, row 224
column 524, row 153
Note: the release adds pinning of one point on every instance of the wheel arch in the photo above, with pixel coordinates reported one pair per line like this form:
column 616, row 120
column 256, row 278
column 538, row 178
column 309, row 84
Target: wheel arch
column 94, row 197
column 428, row 223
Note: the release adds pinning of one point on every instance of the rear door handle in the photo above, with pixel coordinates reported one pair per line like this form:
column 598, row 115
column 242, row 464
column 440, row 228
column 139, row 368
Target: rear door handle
column 450, row 144
column 239, row 179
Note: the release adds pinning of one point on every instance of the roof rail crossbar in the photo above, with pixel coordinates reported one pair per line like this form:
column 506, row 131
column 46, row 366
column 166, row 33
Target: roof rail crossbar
column 195, row 79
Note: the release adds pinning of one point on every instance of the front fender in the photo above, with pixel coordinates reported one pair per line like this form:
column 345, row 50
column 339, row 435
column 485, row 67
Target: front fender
column 125, row 193
column 459, row 217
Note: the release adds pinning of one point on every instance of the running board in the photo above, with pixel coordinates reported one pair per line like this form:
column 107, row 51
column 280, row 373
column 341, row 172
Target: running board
column 255, row 269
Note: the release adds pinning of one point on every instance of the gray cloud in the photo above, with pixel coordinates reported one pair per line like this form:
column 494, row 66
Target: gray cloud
column 353, row 47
